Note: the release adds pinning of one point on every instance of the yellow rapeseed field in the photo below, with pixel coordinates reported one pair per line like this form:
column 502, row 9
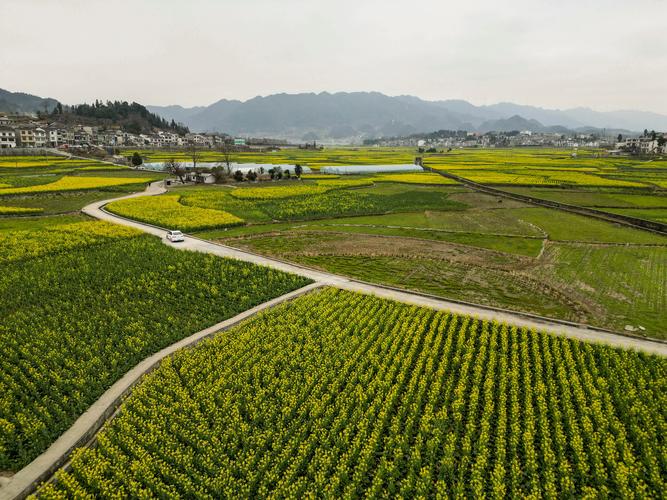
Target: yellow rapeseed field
column 19, row 210
column 411, row 178
column 166, row 211
column 72, row 183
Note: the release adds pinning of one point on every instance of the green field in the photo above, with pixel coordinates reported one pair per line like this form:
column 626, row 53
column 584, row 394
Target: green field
column 597, row 198
column 337, row 394
column 345, row 396
column 85, row 301
column 483, row 251
column 652, row 214
column 58, row 185
column 442, row 239
column 375, row 199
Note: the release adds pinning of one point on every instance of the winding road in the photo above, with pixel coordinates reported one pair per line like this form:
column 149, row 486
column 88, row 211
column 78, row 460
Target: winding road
column 85, row 429
column 328, row 279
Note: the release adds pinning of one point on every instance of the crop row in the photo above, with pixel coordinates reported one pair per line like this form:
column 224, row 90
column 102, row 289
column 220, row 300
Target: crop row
column 75, row 321
column 342, row 395
column 19, row 210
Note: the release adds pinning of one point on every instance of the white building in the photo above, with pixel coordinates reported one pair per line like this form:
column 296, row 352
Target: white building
column 41, row 138
column 57, row 136
column 7, row 138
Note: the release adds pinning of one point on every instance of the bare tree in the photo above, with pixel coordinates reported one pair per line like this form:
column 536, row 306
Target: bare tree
column 194, row 154
column 175, row 168
column 226, row 150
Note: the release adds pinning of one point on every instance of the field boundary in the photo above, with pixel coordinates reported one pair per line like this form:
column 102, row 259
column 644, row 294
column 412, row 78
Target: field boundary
column 536, row 317
column 84, row 430
column 644, row 225
column 547, row 322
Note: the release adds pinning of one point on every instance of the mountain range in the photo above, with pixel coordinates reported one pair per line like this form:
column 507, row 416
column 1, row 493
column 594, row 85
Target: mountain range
column 347, row 115
column 350, row 116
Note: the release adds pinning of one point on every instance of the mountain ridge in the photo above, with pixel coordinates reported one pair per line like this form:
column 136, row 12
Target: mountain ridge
column 358, row 115
column 20, row 102
column 327, row 115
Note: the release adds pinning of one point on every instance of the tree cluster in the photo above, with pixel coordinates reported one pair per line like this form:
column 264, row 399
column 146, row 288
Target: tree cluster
column 133, row 116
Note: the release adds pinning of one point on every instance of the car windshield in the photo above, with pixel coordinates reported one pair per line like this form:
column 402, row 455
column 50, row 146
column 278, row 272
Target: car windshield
column 177, row 233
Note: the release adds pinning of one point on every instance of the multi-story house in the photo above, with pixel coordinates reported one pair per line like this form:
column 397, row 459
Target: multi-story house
column 26, row 137
column 7, row 137
column 57, row 136
column 41, row 138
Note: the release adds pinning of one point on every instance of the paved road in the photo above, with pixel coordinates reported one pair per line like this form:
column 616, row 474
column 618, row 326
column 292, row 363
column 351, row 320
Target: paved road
column 196, row 244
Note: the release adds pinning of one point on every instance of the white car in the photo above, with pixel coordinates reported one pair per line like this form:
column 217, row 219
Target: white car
column 175, row 236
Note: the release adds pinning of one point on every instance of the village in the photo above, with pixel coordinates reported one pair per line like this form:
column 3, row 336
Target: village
column 30, row 131
column 27, row 131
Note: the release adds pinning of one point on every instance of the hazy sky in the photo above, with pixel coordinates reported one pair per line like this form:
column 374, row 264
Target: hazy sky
column 604, row 54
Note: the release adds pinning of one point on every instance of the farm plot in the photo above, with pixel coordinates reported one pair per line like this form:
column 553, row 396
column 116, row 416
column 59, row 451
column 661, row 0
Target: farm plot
column 595, row 198
column 166, row 211
column 45, row 162
column 543, row 177
column 335, row 202
column 342, row 395
column 629, row 282
column 563, row 226
column 74, row 183
column 85, row 301
column 449, row 270
column 654, row 214
column 273, row 192
column 461, row 255
column 425, row 178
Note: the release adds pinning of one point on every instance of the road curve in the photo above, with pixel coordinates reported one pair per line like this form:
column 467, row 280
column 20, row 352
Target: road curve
column 552, row 326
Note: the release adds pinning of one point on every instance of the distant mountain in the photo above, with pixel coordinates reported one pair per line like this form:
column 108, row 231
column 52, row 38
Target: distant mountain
column 18, row 102
column 356, row 115
column 515, row 122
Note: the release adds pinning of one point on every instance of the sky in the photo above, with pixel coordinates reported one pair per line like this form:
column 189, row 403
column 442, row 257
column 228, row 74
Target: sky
column 603, row 54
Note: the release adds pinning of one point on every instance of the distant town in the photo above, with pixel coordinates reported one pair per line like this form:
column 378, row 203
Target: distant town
column 35, row 131
column 644, row 144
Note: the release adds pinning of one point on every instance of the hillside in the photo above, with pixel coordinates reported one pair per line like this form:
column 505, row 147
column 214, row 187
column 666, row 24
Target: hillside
column 19, row 102
column 132, row 117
